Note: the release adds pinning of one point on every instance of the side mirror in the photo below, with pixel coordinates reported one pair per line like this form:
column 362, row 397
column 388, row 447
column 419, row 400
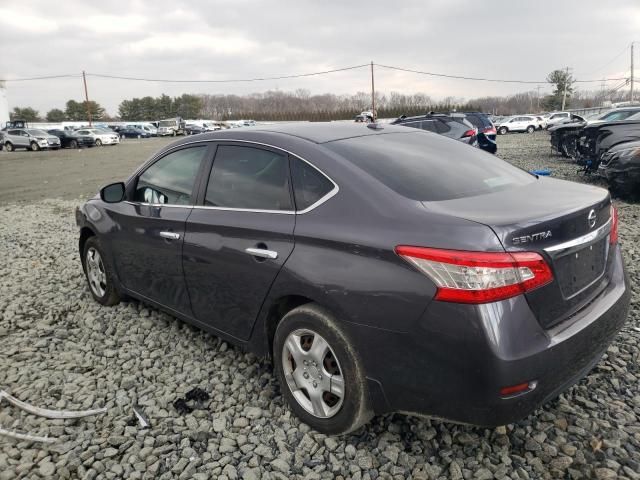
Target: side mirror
column 112, row 193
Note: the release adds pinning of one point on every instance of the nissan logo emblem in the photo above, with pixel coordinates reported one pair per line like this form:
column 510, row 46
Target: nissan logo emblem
column 591, row 218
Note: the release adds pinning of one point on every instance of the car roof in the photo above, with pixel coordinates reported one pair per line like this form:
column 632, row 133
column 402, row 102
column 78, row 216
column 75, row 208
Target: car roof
column 316, row 132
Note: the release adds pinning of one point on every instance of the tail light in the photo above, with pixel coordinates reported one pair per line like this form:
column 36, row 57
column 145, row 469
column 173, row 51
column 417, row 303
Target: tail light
column 490, row 131
column 613, row 236
column 469, row 133
column 478, row 277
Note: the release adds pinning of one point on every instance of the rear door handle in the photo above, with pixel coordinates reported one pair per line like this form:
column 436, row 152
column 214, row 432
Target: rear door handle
column 262, row 253
column 170, row 235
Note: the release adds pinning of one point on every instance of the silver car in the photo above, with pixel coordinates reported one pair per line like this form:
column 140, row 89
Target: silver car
column 29, row 138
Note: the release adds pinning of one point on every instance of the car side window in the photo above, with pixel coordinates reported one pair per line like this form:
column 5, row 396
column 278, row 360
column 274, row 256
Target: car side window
column 309, row 184
column 250, row 178
column 170, row 180
column 442, row 126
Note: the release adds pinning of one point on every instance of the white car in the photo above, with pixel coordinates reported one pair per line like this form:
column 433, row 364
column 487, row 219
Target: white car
column 101, row 137
column 518, row 123
column 555, row 118
column 542, row 122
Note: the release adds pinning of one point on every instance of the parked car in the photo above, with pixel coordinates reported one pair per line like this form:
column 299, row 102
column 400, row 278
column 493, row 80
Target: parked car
column 620, row 165
column 449, row 125
column 555, row 118
column 30, row 138
column 70, row 139
column 517, row 123
column 132, row 132
column 486, row 130
column 565, row 135
column 100, row 137
column 364, row 117
column 171, row 127
column 191, row 129
column 147, row 127
column 382, row 269
column 597, row 138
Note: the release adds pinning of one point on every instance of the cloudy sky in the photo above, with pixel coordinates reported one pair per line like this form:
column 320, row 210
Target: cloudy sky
column 206, row 39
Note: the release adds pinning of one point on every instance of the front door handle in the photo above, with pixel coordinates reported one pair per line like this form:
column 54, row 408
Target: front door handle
column 170, row 235
column 262, row 253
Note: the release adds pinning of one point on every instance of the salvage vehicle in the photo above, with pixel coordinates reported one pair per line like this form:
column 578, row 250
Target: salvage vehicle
column 555, row 118
column 620, row 165
column 171, row 127
column 486, row 130
column 100, row 137
column 30, row 138
column 454, row 126
column 517, row 123
column 382, row 268
column 70, row 139
column 597, row 138
column 132, row 132
column 565, row 136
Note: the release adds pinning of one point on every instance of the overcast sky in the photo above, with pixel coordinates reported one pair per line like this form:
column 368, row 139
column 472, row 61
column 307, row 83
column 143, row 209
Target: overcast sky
column 200, row 39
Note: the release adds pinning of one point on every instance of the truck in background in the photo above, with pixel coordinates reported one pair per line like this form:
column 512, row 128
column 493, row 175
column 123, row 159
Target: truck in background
column 171, row 127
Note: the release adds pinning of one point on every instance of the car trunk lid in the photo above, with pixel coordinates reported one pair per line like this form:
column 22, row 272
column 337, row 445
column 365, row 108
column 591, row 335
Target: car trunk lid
column 567, row 223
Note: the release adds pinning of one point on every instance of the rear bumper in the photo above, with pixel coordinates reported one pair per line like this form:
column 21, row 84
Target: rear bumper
column 459, row 356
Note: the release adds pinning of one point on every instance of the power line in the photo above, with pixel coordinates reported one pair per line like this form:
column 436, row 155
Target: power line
column 237, row 80
column 609, row 62
column 47, row 77
column 460, row 77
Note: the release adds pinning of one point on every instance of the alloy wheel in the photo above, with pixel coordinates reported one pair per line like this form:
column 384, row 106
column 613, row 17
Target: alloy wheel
column 313, row 373
column 96, row 273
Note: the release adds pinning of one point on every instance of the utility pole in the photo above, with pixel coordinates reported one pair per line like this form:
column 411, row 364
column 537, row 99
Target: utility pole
column 631, row 90
column 373, row 95
column 564, row 93
column 86, row 97
column 538, row 98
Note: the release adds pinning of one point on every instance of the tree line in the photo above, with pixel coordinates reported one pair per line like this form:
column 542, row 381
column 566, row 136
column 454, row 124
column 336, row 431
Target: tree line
column 302, row 105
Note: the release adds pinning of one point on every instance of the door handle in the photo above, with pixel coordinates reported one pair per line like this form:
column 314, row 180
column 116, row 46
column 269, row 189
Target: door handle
column 170, row 235
column 262, row 253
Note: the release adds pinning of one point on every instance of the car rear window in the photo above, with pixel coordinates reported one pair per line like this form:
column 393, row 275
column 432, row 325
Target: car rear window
column 430, row 168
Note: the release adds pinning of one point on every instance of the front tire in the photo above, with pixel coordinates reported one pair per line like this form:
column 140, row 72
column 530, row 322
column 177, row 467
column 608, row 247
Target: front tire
column 98, row 142
column 531, row 129
column 73, row 144
column 34, row 147
column 9, row 146
column 98, row 273
column 503, row 130
column 320, row 374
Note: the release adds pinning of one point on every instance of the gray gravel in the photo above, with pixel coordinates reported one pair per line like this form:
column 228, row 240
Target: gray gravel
column 59, row 349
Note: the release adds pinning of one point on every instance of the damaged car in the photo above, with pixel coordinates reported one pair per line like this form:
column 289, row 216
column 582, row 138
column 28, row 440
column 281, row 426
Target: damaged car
column 620, row 165
column 376, row 273
column 598, row 137
column 566, row 135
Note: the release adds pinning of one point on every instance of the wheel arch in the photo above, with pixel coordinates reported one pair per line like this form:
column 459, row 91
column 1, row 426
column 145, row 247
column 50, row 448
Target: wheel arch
column 85, row 234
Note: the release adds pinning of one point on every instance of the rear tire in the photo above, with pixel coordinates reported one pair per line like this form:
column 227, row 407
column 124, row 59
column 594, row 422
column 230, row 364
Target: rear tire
column 503, row 130
column 9, row 146
column 34, row 147
column 531, row 129
column 98, row 273
column 326, row 386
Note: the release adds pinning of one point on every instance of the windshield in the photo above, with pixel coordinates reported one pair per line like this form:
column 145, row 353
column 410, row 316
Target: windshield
column 33, row 131
column 426, row 167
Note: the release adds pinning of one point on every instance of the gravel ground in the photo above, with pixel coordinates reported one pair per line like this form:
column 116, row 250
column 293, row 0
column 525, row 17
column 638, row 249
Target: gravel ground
column 59, row 349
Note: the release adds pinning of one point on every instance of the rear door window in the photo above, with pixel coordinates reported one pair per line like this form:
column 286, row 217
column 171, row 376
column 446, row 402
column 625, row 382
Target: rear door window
column 249, row 178
column 309, row 184
column 442, row 126
column 170, row 180
column 429, row 168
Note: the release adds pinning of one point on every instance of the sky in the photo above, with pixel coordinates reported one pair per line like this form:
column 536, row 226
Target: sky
column 210, row 39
